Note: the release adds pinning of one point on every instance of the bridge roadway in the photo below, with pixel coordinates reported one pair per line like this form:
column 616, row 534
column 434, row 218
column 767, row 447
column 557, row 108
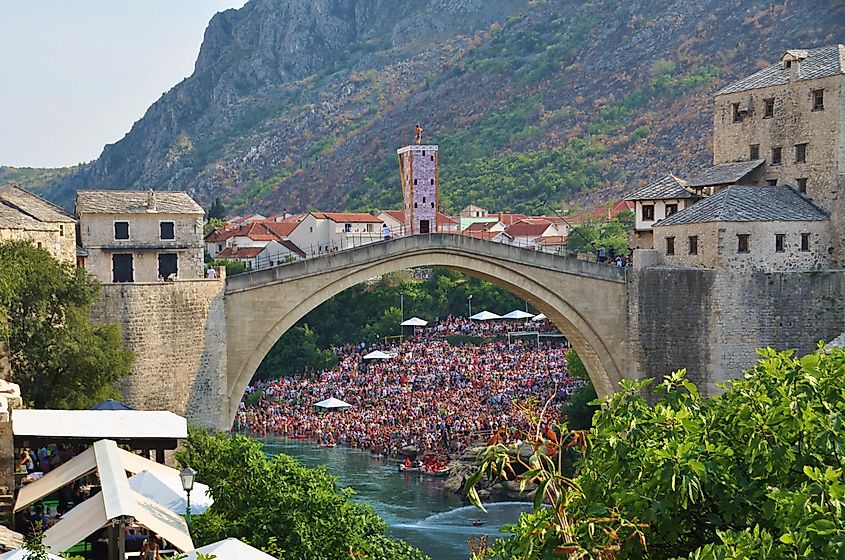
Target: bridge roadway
column 585, row 300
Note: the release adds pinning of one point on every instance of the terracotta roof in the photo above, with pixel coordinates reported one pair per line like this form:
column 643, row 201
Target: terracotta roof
column 528, row 227
column 348, row 217
column 486, row 235
column 280, row 229
column 662, row 189
column 220, row 234
column 33, row 206
column 552, row 240
column 480, row 226
column 135, row 202
column 604, row 213
column 816, row 63
column 723, row 173
column 507, row 218
column 239, row 253
column 398, row 215
column 444, row 219
column 740, row 203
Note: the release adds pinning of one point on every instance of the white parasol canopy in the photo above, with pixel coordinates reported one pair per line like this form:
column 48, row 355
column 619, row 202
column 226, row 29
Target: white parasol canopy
column 229, row 549
column 333, row 404
column 377, row 355
column 23, row 554
column 167, row 491
column 540, row 317
column 414, row 322
column 517, row 314
column 485, row 316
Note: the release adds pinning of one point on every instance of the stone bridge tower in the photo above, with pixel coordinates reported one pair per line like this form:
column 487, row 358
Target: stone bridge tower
column 418, row 171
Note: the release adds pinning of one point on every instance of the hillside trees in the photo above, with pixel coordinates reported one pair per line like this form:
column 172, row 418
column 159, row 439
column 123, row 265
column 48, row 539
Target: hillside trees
column 59, row 357
column 282, row 507
column 756, row 473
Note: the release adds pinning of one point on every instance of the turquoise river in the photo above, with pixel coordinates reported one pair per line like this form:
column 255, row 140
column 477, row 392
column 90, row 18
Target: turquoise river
column 416, row 508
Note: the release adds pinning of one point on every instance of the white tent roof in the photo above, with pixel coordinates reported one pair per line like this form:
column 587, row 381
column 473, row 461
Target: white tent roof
column 517, row 314
column 116, row 498
column 332, row 403
column 99, row 424
column 166, row 490
column 540, row 317
column 414, row 322
column 485, row 316
column 230, row 549
column 377, row 355
column 23, row 554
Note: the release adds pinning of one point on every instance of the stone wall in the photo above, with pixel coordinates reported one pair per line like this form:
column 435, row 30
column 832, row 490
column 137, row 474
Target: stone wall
column 712, row 322
column 58, row 239
column 178, row 332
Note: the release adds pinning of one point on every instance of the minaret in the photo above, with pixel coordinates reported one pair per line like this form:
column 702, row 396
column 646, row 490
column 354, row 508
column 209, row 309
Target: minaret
column 418, row 171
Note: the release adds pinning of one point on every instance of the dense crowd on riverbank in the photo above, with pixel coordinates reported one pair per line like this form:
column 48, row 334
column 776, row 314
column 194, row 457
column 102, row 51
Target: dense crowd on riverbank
column 433, row 396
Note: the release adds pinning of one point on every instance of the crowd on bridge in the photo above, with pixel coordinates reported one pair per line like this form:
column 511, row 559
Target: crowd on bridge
column 431, row 396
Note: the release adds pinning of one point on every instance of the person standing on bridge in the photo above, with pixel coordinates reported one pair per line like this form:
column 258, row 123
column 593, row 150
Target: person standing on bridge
column 385, row 232
column 418, row 134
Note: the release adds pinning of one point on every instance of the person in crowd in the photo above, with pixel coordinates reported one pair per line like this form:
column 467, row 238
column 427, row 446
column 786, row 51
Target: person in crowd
column 150, row 549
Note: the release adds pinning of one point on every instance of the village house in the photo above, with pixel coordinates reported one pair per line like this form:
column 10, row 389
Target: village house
column 656, row 201
column 140, row 236
column 527, row 232
column 395, row 220
column 26, row 217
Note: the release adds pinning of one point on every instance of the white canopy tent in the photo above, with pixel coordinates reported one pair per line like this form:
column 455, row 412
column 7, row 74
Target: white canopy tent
column 377, row 355
column 414, row 322
column 540, row 317
column 23, row 554
column 100, row 424
column 333, row 404
column 166, row 490
column 485, row 316
column 229, row 549
column 517, row 314
column 115, row 500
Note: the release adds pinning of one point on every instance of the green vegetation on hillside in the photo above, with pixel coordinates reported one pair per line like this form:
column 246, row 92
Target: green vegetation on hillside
column 34, row 179
column 60, row 358
column 278, row 505
column 756, row 473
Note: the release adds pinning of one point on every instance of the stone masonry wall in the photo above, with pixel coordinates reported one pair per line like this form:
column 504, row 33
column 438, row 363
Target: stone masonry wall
column 178, row 332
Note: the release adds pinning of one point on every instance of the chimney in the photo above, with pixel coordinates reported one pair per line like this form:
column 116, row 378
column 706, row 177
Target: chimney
column 151, row 201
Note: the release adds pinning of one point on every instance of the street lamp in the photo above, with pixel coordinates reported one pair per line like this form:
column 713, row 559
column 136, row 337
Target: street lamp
column 469, row 302
column 187, row 475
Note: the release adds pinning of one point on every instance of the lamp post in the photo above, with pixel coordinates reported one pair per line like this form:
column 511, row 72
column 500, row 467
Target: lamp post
column 469, row 302
column 187, row 475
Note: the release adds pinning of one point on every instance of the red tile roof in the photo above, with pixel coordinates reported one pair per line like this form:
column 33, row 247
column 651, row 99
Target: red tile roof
column 444, row 219
column 508, row 218
column 280, row 229
column 348, row 217
column 398, row 215
column 603, row 213
column 480, row 226
column 552, row 240
column 528, row 227
column 242, row 253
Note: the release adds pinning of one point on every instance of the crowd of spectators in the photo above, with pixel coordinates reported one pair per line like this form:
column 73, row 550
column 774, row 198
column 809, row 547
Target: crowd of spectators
column 431, row 396
column 462, row 326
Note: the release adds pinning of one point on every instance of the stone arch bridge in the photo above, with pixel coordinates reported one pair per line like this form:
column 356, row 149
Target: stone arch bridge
column 587, row 301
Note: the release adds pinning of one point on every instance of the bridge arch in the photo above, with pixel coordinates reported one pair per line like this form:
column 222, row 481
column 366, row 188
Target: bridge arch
column 584, row 300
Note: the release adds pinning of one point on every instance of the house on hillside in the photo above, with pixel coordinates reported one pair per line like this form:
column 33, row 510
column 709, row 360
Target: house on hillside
column 395, row 220
column 26, row 217
column 139, row 236
column 655, row 201
column 274, row 253
column 527, row 232
column 325, row 232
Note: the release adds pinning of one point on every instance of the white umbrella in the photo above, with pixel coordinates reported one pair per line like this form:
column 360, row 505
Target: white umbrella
column 414, row 322
column 167, row 491
column 23, row 554
column 517, row 314
column 377, row 355
column 485, row 316
column 540, row 317
column 333, row 404
column 229, row 549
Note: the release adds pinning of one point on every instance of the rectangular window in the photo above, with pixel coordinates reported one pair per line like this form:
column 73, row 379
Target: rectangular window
column 754, row 151
column 693, row 244
column 168, row 264
column 737, row 116
column 780, row 241
column 769, row 108
column 777, row 155
column 61, row 230
column 671, row 209
column 121, row 230
column 166, row 230
column 122, row 268
column 772, row 182
column 648, row 212
column 742, row 243
column 805, row 242
column 818, row 100
column 802, row 184
column 670, row 245
column 800, row 153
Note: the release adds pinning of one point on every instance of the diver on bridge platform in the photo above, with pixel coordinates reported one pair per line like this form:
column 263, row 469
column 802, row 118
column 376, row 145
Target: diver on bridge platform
column 418, row 134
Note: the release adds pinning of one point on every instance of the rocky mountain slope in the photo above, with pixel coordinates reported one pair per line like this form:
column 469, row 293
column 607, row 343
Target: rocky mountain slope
column 297, row 104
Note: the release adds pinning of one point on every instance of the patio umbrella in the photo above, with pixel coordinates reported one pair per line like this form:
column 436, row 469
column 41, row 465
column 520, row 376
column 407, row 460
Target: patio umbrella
column 517, row 314
column 485, row 316
column 377, row 355
column 333, row 404
column 540, row 317
column 414, row 322
column 230, row 549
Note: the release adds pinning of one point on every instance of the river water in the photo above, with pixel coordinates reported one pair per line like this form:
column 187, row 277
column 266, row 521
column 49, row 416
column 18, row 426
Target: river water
column 416, row 508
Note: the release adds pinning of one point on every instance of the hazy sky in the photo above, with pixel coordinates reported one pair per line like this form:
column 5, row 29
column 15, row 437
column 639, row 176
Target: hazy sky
column 75, row 74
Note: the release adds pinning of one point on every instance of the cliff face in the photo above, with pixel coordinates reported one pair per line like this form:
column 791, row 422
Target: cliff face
column 301, row 103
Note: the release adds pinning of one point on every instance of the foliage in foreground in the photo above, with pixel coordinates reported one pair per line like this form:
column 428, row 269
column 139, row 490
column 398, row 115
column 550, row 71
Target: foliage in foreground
column 280, row 506
column 753, row 474
column 59, row 357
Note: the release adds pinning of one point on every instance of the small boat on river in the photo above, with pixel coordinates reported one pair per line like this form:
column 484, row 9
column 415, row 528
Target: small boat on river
column 441, row 473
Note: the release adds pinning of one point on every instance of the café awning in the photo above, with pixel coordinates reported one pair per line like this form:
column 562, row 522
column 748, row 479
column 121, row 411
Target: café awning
column 517, row 314
column 377, row 355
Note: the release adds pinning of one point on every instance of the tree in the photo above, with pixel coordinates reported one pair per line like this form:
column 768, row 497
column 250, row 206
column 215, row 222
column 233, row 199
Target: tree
column 298, row 354
column 282, row 507
column 212, row 224
column 217, row 210
column 59, row 357
column 754, row 473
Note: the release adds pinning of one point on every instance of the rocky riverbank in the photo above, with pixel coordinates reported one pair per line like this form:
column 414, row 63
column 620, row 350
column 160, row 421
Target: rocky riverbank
column 460, row 470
